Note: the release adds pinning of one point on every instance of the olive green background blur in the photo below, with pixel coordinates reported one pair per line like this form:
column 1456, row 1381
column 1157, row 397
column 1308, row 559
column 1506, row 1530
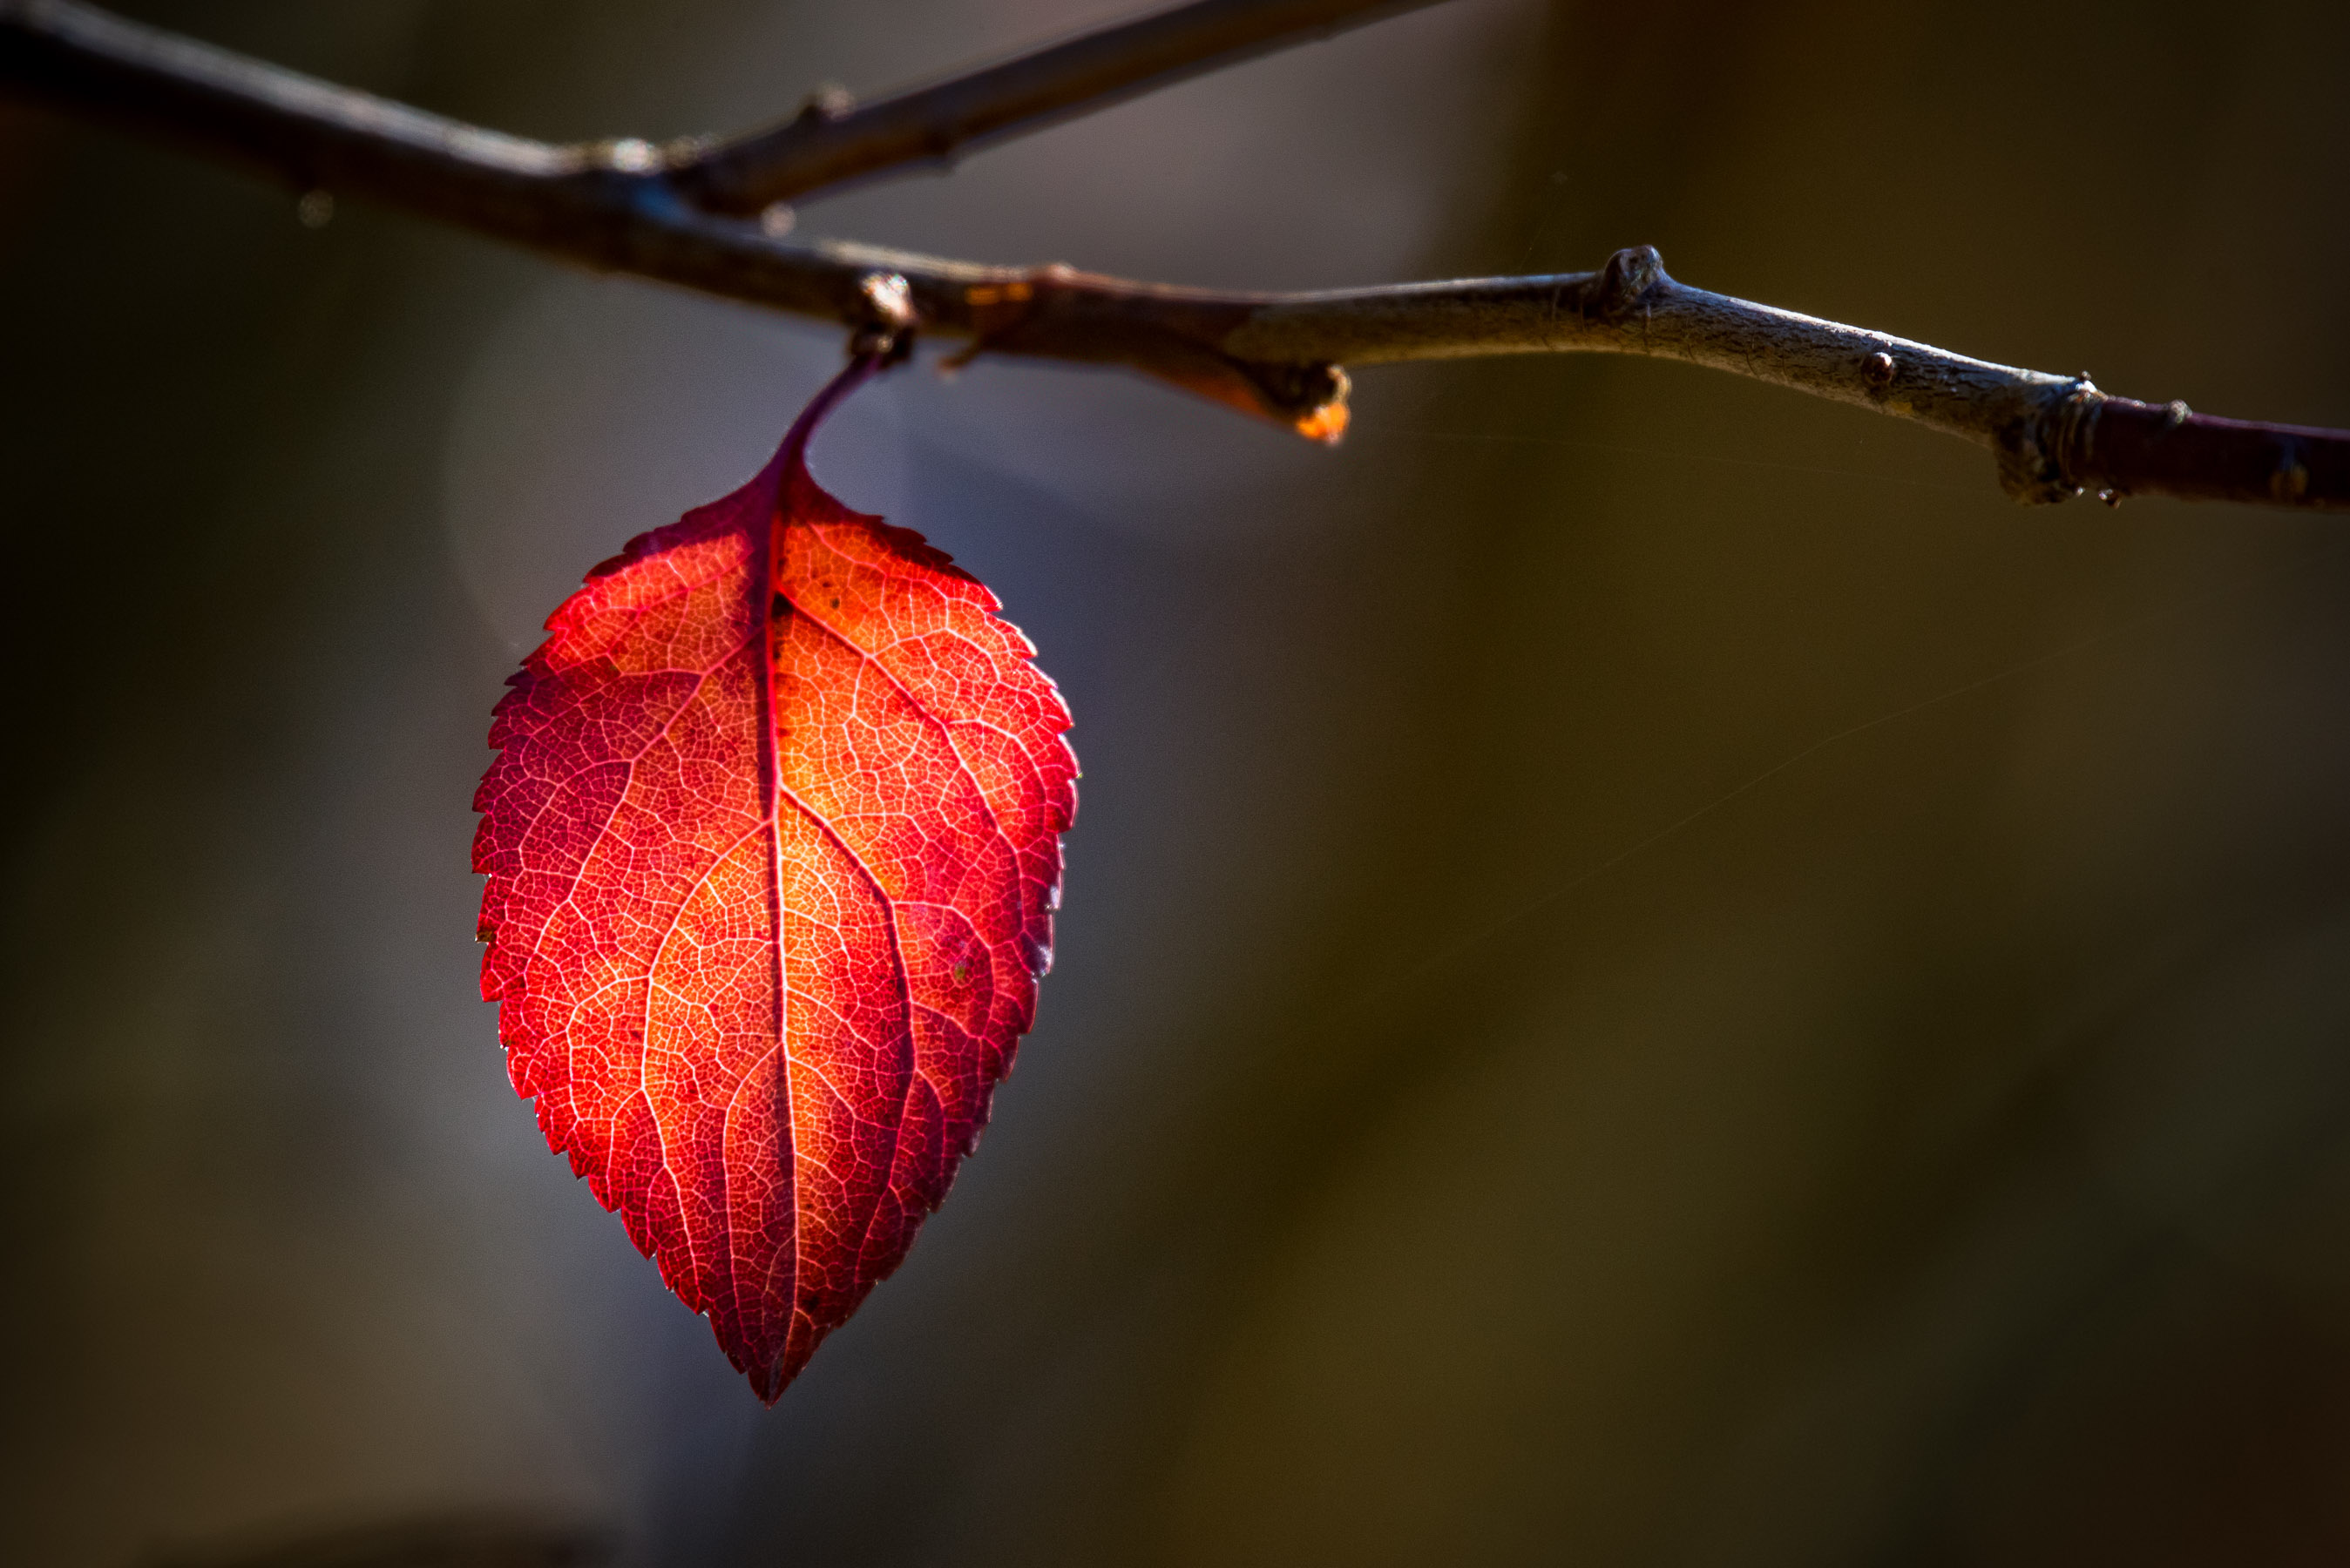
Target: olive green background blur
column 1651, row 972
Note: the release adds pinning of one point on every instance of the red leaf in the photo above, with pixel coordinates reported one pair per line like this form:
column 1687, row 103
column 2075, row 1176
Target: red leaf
column 772, row 840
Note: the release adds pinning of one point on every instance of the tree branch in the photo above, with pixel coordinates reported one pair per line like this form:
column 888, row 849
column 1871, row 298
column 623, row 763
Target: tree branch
column 831, row 143
column 622, row 206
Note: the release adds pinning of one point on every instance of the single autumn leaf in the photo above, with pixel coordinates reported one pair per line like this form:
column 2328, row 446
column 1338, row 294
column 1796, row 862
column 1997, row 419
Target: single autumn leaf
column 772, row 847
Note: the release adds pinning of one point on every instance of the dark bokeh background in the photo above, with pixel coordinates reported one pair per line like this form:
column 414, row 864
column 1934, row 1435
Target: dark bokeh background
column 1652, row 973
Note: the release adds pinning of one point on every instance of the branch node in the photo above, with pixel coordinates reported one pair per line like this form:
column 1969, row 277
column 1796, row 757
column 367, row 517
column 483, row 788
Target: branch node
column 826, row 101
column 1310, row 399
column 1628, row 278
column 2041, row 453
column 628, row 155
column 886, row 327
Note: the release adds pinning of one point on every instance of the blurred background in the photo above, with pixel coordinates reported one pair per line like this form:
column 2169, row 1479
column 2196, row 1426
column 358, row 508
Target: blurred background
column 1651, row 972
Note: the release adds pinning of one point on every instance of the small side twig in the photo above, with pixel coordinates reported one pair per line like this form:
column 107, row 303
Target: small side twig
column 624, row 206
column 832, row 142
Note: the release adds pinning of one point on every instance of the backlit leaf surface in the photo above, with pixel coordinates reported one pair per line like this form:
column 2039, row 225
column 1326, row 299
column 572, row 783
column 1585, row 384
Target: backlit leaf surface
column 772, row 841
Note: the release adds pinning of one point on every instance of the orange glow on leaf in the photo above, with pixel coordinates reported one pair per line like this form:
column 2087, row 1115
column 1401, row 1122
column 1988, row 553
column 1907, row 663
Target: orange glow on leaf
column 773, row 846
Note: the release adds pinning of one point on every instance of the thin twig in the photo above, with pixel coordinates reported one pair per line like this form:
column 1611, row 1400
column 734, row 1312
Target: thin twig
column 832, row 143
column 618, row 206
